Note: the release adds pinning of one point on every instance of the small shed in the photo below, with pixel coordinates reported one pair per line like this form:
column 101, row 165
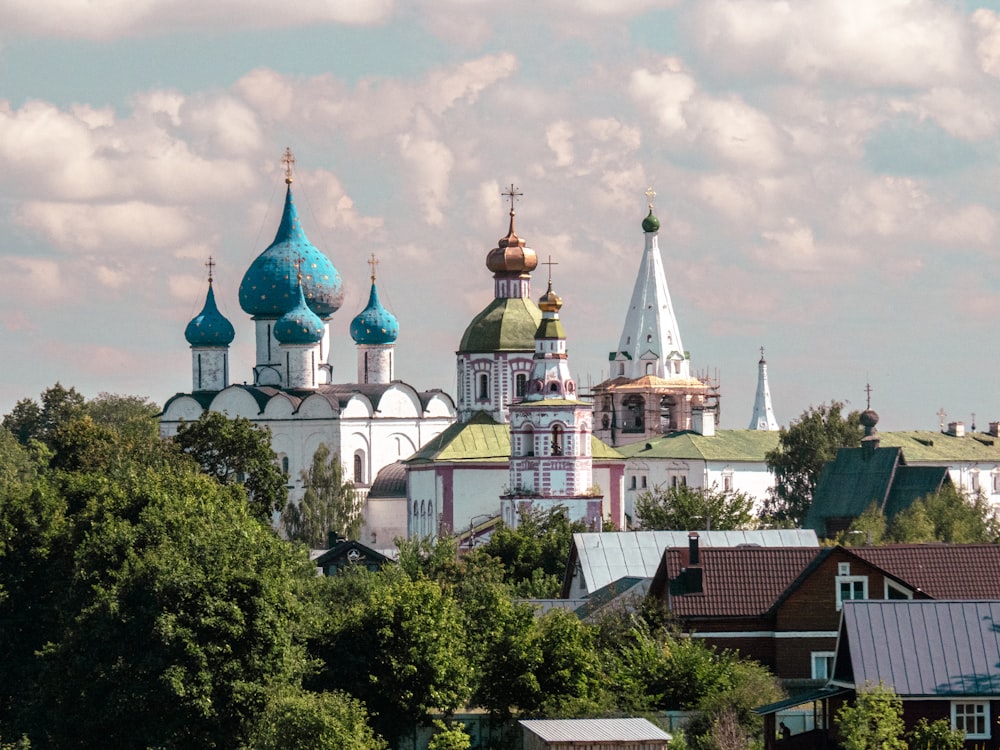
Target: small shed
column 593, row 734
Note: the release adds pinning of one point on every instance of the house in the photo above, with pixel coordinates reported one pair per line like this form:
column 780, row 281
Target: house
column 942, row 658
column 593, row 734
column 782, row 606
column 599, row 559
column 870, row 475
column 345, row 553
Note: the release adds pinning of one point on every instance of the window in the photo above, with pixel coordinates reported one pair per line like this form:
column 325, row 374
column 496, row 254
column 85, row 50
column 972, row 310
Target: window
column 727, row 479
column 520, row 382
column 971, row 718
column 649, row 368
column 359, row 470
column 644, row 485
column 557, row 447
column 843, row 569
column 284, row 464
column 894, row 590
column 633, row 483
column 822, row 665
column 996, row 481
column 974, row 480
column 851, row 587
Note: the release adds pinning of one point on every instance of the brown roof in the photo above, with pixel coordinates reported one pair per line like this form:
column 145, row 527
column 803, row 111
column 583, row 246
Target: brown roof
column 941, row 571
column 737, row 582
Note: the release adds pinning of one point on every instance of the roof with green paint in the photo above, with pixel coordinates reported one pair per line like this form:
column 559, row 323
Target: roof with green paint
column 920, row 446
column 725, row 445
column 507, row 324
column 481, row 439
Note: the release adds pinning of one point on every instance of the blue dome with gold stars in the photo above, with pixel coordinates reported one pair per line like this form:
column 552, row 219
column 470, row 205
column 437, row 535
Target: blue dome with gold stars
column 210, row 327
column 268, row 287
column 374, row 324
column 300, row 325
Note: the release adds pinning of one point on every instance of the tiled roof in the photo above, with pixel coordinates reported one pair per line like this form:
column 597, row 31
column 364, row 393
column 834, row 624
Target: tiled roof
column 942, row 571
column 725, row 445
column 922, row 647
column 738, row 582
column 479, row 439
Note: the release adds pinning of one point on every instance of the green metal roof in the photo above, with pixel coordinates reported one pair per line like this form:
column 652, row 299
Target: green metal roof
column 484, row 440
column 507, row 324
column 920, row 446
column 725, row 445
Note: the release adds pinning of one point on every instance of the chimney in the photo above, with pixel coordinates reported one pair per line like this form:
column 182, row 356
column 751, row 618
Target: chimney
column 956, row 429
column 995, row 429
column 693, row 556
column 703, row 421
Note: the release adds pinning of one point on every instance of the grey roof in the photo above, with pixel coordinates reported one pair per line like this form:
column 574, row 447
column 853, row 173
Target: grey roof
column 390, row 482
column 594, row 730
column 921, row 647
column 606, row 557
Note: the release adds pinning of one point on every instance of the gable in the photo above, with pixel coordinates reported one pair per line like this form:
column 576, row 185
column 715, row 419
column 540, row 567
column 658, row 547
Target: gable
column 855, row 479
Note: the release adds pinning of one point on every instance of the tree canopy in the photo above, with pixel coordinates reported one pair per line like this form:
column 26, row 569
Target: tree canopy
column 236, row 451
column 328, row 505
column 684, row 507
column 803, row 449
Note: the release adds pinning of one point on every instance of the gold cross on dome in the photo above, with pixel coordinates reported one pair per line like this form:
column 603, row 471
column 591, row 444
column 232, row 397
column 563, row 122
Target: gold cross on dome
column 287, row 160
column 210, row 265
column 650, row 194
column 512, row 194
column 371, row 264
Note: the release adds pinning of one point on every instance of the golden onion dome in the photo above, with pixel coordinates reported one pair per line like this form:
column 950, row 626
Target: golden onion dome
column 550, row 301
column 510, row 255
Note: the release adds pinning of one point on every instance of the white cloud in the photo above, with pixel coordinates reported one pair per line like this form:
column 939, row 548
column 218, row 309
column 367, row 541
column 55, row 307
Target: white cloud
column 987, row 25
column 665, row 94
column 876, row 43
column 559, row 138
column 110, row 19
column 429, row 164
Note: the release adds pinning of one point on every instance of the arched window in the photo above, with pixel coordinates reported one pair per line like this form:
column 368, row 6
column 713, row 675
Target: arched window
column 484, row 387
column 359, row 468
column 520, row 382
column 557, row 435
column 649, row 368
column 284, row 464
column 529, row 442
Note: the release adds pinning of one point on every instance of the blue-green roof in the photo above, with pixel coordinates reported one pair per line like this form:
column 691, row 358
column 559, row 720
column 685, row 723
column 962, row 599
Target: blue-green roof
column 507, row 324
column 300, row 325
column 268, row 287
column 374, row 324
column 210, row 327
column 725, row 445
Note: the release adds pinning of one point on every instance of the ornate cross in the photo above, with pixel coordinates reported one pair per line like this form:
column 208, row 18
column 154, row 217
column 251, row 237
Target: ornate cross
column 210, row 265
column 287, row 161
column 650, row 194
column 941, row 415
column 371, row 264
column 868, row 391
column 512, row 195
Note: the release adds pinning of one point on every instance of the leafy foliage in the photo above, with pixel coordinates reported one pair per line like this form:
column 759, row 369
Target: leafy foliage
column 328, row 504
column 684, row 507
column 873, row 722
column 29, row 420
column 534, row 554
column 947, row 515
column 803, row 449
column 236, row 451
column 301, row 720
column 935, row 735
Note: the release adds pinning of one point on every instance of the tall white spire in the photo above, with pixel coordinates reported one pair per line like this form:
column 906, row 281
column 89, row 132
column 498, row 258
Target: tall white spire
column 763, row 412
column 650, row 343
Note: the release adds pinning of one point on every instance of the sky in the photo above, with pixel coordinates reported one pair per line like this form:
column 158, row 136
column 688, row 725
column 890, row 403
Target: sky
column 826, row 174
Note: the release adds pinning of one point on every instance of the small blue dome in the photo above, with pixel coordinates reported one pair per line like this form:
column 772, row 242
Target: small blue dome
column 374, row 324
column 268, row 287
column 210, row 327
column 300, row 325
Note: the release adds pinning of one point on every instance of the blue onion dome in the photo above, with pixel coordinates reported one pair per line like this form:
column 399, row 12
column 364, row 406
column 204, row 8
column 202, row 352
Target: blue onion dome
column 374, row 324
column 268, row 288
column 210, row 327
column 300, row 325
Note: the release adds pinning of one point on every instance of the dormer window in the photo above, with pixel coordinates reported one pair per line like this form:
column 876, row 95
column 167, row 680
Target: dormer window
column 851, row 587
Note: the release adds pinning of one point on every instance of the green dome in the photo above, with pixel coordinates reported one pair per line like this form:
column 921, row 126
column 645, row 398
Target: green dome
column 507, row 324
column 651, row 223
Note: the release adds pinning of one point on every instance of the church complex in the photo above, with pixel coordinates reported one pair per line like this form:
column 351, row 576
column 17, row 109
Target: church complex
column 519, row 434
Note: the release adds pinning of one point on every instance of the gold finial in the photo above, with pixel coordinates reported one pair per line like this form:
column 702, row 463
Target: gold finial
column 210, row 265
column 288, row 160
column 550, row 263
column 650, row 194
column 371, row 264
column 298, row 270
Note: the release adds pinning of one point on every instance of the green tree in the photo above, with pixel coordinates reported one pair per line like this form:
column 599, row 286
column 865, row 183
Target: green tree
column 329, row 503
column 936, row 735
column 570, row 682
column 449, row 736
column 302, row 720
column 868, row 528
column 236, row 451
column 947, row 515
column 534, row 554
column 873, row 722
column 29, row 420
column 684, row 507
column 803, row 449
column 396, row 644
column 132, row 417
